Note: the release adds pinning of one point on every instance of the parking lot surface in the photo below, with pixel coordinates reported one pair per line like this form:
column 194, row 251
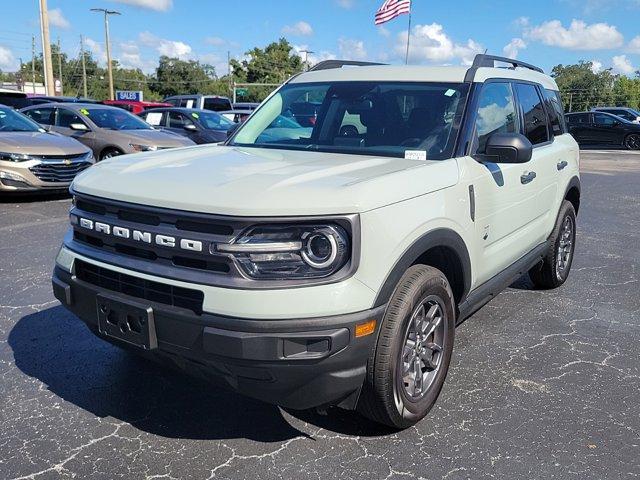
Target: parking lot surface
column 543, row 384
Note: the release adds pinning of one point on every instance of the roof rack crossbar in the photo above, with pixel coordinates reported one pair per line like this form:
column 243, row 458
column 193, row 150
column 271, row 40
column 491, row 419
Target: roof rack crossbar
column 483, row 60
column 331, row 64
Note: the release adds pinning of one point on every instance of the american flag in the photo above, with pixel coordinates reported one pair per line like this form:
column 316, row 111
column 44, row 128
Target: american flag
column 390, row 9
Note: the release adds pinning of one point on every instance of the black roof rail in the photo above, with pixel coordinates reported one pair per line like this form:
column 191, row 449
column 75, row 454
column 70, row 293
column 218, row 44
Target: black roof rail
column 331, row 64
column 483, row 60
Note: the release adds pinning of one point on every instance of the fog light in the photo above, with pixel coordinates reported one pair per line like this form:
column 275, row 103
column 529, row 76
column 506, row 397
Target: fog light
column 364, row 329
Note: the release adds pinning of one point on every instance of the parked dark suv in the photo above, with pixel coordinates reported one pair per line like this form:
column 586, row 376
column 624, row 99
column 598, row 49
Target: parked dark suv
column 599, row 128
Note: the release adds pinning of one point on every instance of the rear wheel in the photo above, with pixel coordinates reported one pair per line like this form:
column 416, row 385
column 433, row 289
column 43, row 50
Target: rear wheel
column 407, row 369
column 554, row 269
column 632, row 142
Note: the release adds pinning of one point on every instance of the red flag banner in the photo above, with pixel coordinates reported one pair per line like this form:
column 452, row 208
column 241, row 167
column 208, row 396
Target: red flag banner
column 390, row 9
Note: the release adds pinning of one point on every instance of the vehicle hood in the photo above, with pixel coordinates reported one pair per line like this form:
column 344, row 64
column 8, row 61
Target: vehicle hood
column 158, row 138
column 260, row 182
column 40, row 143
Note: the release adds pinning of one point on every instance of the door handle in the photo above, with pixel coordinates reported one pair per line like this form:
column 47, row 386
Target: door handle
column 527, row 177
column 562, row 165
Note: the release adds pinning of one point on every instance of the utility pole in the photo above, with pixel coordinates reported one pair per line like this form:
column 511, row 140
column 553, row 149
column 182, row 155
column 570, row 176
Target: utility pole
column 229, row 79
column 306, row 58
column 33, row 62
column 46, row 49
column 60, row 66
column 108, row 45
column 84, row 68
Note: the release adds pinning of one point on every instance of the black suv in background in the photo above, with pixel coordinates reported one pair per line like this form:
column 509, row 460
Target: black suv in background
column 599, row 128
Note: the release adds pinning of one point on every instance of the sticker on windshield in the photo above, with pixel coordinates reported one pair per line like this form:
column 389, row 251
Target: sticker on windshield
column 84, row 111
column 415, row 154
column 195, row 115
column 450, row 92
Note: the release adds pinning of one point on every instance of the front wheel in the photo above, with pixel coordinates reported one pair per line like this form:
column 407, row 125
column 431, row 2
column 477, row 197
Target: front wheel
column 632, row 142
column 554, row 269
column 407, row 369
column 110, row 153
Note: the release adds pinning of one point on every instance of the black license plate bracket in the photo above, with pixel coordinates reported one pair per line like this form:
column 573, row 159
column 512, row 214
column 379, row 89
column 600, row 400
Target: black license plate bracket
column 129, row 322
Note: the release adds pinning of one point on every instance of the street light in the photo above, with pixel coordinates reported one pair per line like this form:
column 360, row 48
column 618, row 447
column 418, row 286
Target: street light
column 106, row 34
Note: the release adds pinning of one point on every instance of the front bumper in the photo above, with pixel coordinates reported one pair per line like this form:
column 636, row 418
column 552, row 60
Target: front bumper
column 295, row 363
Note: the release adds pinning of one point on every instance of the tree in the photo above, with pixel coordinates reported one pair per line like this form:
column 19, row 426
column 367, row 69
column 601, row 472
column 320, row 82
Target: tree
column 175, row 76
column 581, row 87
column 273, row 64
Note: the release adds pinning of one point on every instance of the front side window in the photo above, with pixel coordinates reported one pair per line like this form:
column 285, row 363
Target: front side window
column 604, row 119
column 535, row 118
column 367, row 118
column 114, row 119
column 496, row 112
column 213, row 121
column 177, row 120
column 66, row 118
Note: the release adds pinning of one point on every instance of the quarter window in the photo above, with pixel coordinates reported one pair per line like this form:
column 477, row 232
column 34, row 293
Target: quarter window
column 496, row 112
column 556, row 113
column 535, row 118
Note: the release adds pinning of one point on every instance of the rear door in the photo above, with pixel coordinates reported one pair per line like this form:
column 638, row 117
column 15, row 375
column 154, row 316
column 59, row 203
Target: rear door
column 605, row 129
column 578, row 125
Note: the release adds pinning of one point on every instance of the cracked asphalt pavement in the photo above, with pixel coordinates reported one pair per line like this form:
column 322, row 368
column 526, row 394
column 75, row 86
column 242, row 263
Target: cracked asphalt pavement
column 543, row 384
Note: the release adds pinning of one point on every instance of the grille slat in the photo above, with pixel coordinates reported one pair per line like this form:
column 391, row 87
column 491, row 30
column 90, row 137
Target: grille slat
column 58, row 172
column 140, row 288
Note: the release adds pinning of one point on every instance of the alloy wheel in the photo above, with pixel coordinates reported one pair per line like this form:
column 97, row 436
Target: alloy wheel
column 565, row 247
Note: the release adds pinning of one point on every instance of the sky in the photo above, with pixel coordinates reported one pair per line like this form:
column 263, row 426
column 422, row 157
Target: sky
column 542, row 32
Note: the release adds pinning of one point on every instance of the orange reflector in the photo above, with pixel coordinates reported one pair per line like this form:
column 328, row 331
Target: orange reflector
column 364, row 329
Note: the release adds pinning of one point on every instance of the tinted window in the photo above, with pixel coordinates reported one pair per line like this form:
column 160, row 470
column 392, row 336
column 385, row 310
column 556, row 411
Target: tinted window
column 578, row 118
column 12, row 121
column 15, row 100
column 603, row 119
column 623, row 114
column 177, row 120
column 217, row 104
column 114, row 119
column 66, row 118
column 496, row 112
column 44, row 116
column 157, row 119
column 555, row 111
column 212, row 121
column 535, row 118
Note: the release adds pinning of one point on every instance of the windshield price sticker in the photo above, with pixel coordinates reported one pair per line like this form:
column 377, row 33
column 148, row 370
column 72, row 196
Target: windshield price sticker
column 415, row 154
column 84, row 111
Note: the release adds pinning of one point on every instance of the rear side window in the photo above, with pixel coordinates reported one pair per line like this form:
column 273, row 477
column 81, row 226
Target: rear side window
column 578, row 118
column 217, row 104
column 44, row 116
column 535, row 118
column 177, row 120
column 555, row 111
column 603, row 119
column 496, row 112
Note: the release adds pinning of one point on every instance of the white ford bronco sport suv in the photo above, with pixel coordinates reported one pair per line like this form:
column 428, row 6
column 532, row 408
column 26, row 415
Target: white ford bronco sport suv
column 327, row 260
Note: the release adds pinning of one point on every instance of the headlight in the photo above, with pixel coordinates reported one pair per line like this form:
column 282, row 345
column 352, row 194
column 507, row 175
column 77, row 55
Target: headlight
column 143, row 148
column 290, row 251
column 14, row 157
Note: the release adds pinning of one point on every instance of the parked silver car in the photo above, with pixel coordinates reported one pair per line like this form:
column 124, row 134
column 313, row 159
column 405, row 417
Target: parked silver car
column 108, row 131
column 32, row 159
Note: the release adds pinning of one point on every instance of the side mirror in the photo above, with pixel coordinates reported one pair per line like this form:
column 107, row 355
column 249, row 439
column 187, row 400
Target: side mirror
column 509, row 148
column 79, row 127
column 190, row 127
column 233, row 129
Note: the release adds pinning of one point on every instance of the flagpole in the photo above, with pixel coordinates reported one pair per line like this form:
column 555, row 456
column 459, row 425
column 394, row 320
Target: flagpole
column 406, row 58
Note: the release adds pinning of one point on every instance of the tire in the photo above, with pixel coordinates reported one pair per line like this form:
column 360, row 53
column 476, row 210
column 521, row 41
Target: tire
column 554, row 269
column 109, row 153
column 386, row 397
column 632, row 142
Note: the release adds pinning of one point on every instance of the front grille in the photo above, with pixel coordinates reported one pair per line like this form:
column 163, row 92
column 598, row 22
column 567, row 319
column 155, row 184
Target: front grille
column 140, row 288
column 55, row 172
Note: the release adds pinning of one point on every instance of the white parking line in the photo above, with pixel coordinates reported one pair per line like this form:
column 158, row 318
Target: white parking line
column 610, row 152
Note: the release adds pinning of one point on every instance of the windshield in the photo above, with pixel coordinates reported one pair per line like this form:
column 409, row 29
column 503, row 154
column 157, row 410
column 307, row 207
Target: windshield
column 389, row 119
column 114, row 119
column 213, row 121
column 12, row 121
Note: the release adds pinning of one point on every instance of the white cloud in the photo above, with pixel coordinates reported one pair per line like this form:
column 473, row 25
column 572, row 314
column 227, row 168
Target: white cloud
column 301, row 29
column 346, row 3
column 157, row 5
column 383, row 31
column 596, row 66
column 56, row 19
column 7, row 60
column 314, row 57
column 351, row 49
column 579, row 35
column 430, row 43
column 621, row 64
column 215, row 41
column 170, row 48
column 96, row 49
column 634, row 45
column 512, row 49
